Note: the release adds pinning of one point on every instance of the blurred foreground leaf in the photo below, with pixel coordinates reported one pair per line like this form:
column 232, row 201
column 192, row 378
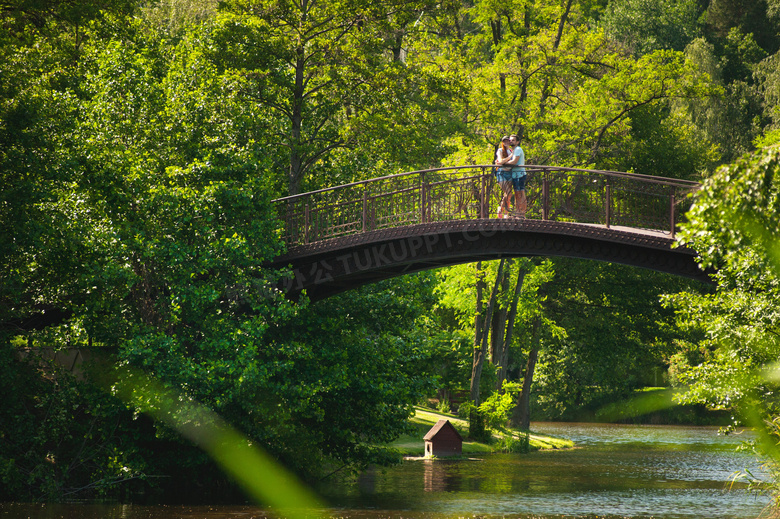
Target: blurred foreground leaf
column 266, row 481
column 646, row 403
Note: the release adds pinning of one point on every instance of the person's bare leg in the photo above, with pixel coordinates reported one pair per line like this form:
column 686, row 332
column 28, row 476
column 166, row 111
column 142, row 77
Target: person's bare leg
column 504, row 206
column 508, row 200
column 500, row 208
column 521, row 203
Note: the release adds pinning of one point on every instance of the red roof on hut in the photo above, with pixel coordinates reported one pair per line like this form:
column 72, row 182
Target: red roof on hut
column 443, row 440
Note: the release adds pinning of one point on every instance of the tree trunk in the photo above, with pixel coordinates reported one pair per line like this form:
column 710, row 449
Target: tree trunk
column 521, row 416
column 553, row 60
column 496, row 333
column 479, row 331
column 495, row 28
column 480, row 349
column 561, row 24
column 523, row 79
column 503, row 357
column 499, row 318
column 295, row 173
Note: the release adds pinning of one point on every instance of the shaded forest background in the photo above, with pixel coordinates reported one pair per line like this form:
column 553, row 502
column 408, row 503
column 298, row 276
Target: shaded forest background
column 141, row 144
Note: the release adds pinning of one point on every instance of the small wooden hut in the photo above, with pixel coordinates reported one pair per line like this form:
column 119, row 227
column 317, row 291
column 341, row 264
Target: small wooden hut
column 443, row 440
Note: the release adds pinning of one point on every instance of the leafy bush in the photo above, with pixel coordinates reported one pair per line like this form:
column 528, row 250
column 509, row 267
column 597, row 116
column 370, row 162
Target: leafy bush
column 465, row 409
column 497, row 408
column 511, row 444
column 477, row 430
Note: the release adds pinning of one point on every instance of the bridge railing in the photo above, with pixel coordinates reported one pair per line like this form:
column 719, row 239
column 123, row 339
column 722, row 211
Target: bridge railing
column 608, row 198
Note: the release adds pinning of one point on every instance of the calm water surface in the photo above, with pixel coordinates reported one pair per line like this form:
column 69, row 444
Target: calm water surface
column 616, row 471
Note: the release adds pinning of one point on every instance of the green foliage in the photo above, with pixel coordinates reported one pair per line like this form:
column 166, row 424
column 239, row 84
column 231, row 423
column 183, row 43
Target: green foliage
column 63, row 25
column 667, row 145
column 457, row 296
column 173, row 16
column 756, row 18
column 733, row 225
column 148, row 217
column 61, row 437
column 739, row 45
column 618, row 335
column 731, row 118
column 514, row 445
column 648, row 25
column 767, row 74
column 259, row 474
column 738, row 207
column 569, row 93
column 351, row 375
column 477, row 430
column 497, row 408
column 333, row 77
column 645, row 402
column 730, row 225
column 453, row 316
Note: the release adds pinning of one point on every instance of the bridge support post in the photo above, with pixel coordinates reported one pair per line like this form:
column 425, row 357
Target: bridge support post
column 306, row 220
column 545, row 196
column 672, row 211
column 423, row 198
column 482, row 196
column 608, row 203
column 365, row 208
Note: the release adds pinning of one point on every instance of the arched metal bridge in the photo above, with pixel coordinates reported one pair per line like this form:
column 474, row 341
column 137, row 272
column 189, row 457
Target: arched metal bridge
column 342, row 237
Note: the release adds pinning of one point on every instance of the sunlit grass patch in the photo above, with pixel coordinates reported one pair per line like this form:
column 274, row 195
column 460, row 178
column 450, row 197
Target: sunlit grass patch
column 424, row 419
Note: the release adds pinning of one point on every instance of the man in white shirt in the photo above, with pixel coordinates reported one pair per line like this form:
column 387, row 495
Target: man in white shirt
column 504, row 177
column 519, row 175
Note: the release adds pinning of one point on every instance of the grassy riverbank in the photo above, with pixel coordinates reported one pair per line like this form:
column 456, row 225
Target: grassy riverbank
column 424, row 419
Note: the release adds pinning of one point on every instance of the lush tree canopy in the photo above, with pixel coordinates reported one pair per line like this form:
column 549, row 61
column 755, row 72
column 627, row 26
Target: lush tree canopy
column 733, row 365
column 733, row 225
column 139, row 222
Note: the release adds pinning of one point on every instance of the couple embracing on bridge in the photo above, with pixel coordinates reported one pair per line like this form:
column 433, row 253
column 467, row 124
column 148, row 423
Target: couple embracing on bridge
column 511, row 177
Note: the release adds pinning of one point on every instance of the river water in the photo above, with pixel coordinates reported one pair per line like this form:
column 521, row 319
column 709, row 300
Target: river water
column 616, row 471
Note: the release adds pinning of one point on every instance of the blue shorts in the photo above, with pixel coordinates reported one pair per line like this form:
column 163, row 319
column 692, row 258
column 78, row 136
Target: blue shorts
column 503, row 176
column 519, row 183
